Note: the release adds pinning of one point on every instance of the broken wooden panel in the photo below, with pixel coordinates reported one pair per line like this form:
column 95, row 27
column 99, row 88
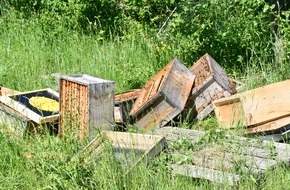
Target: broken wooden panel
column 211, row 83
column 86, row 104
column 20, row 103
column 255, row 107
column 128, row 148
column 269, row 127
column 163, row 97
column 206, row 173
column 123, row 105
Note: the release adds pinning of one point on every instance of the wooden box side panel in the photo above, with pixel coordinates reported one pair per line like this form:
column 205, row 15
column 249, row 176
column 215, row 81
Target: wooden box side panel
column 229, row 113
column 12, row 122
column 101, row 107
column 151, row 88
column 158, row 114
column 178, row 84
column 133, row 140
column 201, row 70
column 74, row 108
column 219, row 74
column 208, row 94
column 266, row 103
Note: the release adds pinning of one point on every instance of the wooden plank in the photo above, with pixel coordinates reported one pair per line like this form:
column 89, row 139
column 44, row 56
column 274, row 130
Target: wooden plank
column 269, row 126
column 206, row 173
column 126, row 96
column 222, row 158
column 281, row 151
column 174, row 133
column 132, row 145
column 259, row 106
column 26, row 110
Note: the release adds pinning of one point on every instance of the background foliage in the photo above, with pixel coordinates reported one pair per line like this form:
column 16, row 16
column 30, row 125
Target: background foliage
column 231, row 31
column 128, row 41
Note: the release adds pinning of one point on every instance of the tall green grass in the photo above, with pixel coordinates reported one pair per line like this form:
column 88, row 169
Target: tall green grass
column 28, row 55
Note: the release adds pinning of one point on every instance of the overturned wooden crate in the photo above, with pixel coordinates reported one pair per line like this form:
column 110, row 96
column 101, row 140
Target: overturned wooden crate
column 211, row 83
column 222, row 162
column 262, row 109
column 19, row 117
column 163, row 97
column 123, row 105
column 86, row 105
column 128, row 148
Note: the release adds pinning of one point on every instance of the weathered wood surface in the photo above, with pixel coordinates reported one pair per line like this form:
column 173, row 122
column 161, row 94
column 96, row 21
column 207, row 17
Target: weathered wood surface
column 128, row 148
column 26, row 109
column 255, row 107
column 163, row 97
column 86, row 105
column 224, row 161
column 270, row 126
column 211, row 83
column 206, row 173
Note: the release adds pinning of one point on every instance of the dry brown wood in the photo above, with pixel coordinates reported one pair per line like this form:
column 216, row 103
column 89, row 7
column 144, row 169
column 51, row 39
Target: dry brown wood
column 255, row 107
column 270, row 126
column 163, row 97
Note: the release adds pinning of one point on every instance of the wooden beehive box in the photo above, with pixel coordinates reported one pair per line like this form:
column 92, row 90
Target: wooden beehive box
column 211, row 83
column 18, row 117
column 163, row 97
column 128, row 148
column 20, row 103
column 86, row 105
column 123, row 105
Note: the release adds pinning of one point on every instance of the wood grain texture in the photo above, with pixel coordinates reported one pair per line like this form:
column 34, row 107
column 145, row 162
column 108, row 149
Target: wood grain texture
column 258, row 106
column 163, row 97
column 137, row 146
column 269, row 126
column 86, row 105
column 211, row 83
